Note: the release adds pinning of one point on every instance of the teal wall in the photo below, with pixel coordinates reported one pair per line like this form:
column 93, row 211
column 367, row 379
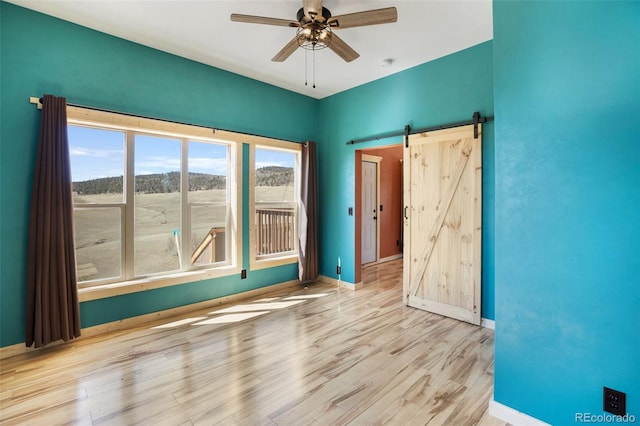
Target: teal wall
column 41, row 54
column 447, row 90
column 567, row 234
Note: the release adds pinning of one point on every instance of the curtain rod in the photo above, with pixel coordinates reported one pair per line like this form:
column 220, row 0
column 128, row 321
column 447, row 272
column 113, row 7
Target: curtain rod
column 409, row 131
column 38, row 101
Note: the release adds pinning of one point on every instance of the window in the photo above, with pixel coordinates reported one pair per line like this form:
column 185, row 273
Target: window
column 149, row 202
column 98, row 165
column 209, row 208
column 275, row 204
column 157, row 205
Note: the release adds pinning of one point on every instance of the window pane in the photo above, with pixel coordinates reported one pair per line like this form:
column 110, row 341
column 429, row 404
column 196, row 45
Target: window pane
column 157, row 205
column 274, row 173
column 97, row 164
column 275, row 221
column 208, row 172
column 208, row 169
column 98, row 243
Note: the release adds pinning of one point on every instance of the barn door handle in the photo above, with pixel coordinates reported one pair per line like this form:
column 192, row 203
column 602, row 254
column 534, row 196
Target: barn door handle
column 405, row 213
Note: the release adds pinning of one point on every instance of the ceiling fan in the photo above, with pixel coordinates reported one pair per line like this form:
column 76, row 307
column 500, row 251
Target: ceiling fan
column 315, row 27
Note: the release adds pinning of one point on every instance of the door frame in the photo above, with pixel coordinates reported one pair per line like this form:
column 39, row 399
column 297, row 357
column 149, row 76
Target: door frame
column 357, row 158
column 376, row 160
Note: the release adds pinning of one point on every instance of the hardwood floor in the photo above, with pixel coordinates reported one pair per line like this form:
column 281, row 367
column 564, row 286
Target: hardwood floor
column 310, row 357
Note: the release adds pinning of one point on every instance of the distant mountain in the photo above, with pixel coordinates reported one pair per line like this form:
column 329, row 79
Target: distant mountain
column 170, row 182
column 274, row 176
column 151, row 184
column 108, row 185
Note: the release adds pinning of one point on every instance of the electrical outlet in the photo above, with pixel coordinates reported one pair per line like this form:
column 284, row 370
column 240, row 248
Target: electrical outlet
column 338, row 270
column 614, row 402
column 243, row 274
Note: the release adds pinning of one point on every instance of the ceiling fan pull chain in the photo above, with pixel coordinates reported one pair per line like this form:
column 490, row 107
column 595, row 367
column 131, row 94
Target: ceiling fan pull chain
column 306, row 64
column 314, row 67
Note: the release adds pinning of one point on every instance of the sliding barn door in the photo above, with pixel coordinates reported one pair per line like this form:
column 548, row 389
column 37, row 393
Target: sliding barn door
column 443, row 222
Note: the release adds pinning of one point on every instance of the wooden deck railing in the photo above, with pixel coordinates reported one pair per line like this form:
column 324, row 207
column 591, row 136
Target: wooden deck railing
column 275, row 230
column 211, row 249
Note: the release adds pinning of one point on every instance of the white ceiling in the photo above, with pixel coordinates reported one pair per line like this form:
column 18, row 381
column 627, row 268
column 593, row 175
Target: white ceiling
column 202, row 31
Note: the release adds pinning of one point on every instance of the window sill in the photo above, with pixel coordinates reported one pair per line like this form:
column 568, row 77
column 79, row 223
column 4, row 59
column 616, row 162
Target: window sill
column 86, row 294
column 270, row 262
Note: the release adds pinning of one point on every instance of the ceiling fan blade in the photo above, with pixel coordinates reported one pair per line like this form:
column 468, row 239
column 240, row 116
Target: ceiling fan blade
column 287, row 50
column 236, row 17
column 360, row 19
column 342, row 49
column 313, row 8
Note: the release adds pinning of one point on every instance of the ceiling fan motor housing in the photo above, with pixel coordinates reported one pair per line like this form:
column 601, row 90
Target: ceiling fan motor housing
column 303, row 19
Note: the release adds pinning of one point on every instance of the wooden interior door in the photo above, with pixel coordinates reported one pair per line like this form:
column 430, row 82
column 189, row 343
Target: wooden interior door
column 443, row 222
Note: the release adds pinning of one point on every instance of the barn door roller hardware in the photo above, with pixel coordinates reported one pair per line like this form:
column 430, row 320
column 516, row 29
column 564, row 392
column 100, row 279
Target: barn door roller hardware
column 407, row 132
column 476, row 118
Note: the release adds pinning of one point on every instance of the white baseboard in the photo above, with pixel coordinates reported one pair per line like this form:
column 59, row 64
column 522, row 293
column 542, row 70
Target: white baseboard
column 487, row 323
column 383, row 260
column 390, row 258
column 343, row 284
column 511, row 416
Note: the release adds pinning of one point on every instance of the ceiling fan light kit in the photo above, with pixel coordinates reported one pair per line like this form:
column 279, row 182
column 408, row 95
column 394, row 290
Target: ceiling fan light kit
column 314, row 35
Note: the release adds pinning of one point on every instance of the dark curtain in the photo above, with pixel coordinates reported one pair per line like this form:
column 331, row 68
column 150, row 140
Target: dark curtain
column 52, row 310
column 308, row 249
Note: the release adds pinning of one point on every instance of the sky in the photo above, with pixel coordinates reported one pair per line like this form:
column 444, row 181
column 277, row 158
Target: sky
column 98, row 153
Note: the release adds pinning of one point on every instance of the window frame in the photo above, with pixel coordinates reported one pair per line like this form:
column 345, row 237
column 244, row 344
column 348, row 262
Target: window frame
column 132, row 125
